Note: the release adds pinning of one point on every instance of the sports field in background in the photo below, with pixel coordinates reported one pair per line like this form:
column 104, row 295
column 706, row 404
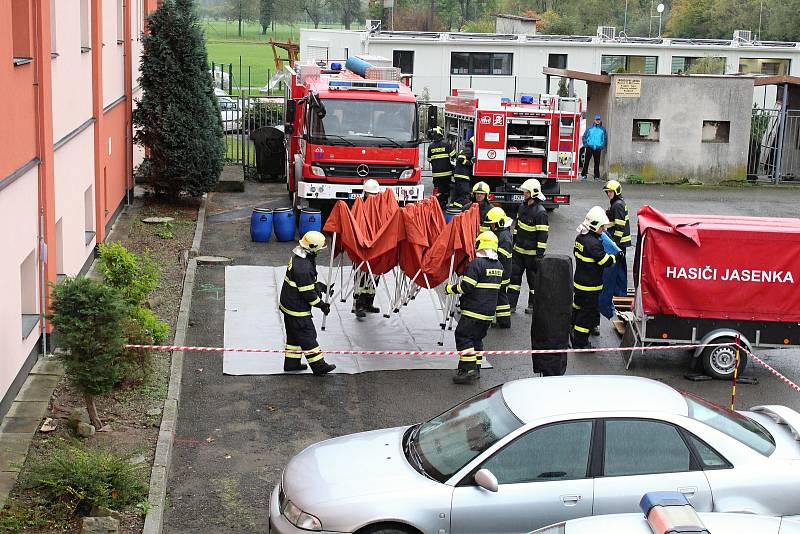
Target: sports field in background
column 226, row 47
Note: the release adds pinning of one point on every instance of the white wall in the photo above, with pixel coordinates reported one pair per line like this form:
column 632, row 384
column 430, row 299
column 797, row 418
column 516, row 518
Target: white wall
column 74, row 173
column 113, row 55
column 19, row 219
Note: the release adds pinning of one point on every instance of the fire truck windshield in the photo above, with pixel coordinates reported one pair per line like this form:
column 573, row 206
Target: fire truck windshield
column 366, row 123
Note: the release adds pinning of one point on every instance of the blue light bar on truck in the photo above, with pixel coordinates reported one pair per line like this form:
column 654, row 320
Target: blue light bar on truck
column 363, row 85
column 668, row 512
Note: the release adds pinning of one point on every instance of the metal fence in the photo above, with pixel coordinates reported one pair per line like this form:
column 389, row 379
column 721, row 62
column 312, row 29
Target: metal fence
column 254, row 136
column 774, row 154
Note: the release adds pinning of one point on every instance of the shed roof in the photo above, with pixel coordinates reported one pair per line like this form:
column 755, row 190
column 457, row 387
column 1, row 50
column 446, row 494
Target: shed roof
column 577, row 75
column 517, row 17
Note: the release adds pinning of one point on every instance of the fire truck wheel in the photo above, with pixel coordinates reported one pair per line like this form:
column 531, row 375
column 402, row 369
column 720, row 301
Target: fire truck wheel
column 720, row 362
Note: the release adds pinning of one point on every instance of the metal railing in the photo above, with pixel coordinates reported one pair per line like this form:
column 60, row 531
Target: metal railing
column 774, row 152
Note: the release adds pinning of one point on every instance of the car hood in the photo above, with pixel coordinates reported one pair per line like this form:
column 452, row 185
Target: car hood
column 356, row 465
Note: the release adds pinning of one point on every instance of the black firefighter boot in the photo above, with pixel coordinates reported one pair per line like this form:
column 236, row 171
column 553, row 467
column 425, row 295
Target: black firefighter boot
column 361, row 312
column 369, row 299
column 293, row 364
column 321, row 367
column 467, row 374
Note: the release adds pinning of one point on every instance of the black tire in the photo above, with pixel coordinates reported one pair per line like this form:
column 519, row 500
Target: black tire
column 388, row 529
column 720, row 362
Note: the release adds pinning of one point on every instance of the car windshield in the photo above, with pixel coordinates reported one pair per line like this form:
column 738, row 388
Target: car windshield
column 731, row 423
column 450, row 441
column 366, row 122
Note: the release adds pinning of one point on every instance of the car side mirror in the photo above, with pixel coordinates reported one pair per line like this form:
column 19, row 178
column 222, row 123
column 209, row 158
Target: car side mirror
column 485, row 479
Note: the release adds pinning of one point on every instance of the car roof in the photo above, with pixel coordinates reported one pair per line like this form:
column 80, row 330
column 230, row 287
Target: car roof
column 716, row 522
column 534, row 398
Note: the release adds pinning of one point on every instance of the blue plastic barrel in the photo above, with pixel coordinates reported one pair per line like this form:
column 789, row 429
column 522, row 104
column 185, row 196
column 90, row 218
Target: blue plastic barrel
column 261, row 225
column 310, row 219
column 449, row 213
column 283, row 221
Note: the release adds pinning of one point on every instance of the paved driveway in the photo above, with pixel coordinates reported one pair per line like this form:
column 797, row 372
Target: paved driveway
column 235, row 434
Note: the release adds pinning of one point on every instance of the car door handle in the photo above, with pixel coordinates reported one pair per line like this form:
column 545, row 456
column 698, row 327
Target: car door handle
column 570, row 500
column 688, row 491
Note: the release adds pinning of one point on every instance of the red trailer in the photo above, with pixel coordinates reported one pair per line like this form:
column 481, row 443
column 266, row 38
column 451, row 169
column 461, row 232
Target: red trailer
column 708, row 279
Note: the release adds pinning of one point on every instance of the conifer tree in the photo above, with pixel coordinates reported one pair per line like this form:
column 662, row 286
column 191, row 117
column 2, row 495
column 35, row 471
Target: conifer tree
column 178, row 119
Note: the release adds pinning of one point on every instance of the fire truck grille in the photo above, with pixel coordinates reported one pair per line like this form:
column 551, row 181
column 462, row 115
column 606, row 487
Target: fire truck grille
column 360, row 170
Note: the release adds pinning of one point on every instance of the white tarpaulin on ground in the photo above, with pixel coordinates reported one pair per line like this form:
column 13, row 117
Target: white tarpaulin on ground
column 253, row 320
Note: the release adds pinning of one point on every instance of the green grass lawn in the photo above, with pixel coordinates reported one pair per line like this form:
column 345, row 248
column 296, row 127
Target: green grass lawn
column 225, row 46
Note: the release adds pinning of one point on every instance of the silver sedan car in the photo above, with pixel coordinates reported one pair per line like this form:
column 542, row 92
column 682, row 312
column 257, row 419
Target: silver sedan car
column 538, row 451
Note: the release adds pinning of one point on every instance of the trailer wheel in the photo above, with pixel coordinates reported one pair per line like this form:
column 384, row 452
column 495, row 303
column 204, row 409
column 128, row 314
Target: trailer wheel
column 720, row 362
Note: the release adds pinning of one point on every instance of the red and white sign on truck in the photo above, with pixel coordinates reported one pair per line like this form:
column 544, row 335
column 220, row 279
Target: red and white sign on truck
column 537, row 137
column 345, row 126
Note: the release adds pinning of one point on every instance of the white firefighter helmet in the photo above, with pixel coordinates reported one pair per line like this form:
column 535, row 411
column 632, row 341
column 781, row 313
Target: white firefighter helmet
column 371, row 187
column 595, row 219
column 533, row 187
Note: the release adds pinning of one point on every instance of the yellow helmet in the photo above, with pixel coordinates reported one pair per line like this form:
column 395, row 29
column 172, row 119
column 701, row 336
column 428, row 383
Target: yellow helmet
column 313, row 241
column 495, row 215
column 613, row 185
column 486, row 240
column 595, row 219
column 481, row 187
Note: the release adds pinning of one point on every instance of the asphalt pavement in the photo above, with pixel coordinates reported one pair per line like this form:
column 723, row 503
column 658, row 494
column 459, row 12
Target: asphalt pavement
column 236, row 433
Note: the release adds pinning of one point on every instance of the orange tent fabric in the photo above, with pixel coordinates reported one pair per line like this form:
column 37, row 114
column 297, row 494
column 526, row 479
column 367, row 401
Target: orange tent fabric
column 424, row 222
column 457, row 237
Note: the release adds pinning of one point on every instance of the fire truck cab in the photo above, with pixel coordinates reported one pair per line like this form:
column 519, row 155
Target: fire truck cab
column 537, row 137
column 347, row 125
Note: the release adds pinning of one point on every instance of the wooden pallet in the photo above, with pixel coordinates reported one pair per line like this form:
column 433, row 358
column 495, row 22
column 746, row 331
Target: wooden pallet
column 623, row 303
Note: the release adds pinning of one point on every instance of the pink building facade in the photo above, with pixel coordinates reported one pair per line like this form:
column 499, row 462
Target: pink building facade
column 68, row 78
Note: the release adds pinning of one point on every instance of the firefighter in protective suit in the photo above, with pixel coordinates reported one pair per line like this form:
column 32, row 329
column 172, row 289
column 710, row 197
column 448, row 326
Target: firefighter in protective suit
column 462, row 176
column 299, row 293
column 364, row 293
column 530, row 242
column 619, row 229
column 590, row 262
column 480, row 196
column 440, row 154
column 497, row 222
column 478, row 289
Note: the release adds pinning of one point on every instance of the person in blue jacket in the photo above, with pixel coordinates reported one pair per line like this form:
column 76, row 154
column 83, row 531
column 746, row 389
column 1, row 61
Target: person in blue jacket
column 595, row 139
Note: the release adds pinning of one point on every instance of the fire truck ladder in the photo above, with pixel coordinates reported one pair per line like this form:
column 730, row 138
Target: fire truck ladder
column 566, row 136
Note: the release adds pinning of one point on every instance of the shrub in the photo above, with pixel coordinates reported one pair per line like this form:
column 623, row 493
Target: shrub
column 133, row 276
column 88, row 317
column 153, row 327
column 84, row 478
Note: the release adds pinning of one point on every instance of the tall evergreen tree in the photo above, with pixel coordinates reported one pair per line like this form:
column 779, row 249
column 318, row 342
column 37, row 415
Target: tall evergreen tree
column 178, row 119
column 266, row 10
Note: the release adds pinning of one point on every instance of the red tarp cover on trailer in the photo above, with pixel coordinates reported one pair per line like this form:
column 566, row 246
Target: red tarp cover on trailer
column 720, row 267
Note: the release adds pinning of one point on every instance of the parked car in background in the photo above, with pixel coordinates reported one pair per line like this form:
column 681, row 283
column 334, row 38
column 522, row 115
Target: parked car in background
column 230, row 111
column 534, row 452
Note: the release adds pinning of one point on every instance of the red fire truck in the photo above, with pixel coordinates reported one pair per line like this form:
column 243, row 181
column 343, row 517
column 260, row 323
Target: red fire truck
column 345, row 126
column 537, row 137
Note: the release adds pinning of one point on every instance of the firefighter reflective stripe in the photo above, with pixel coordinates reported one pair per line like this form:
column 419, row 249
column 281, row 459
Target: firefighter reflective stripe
column 524, row 251
column 503, row 310
column 467, row 355
column 293, row 351
column 314, row 355
column 581, row 329
column 618, row 233
column 469, row 280
column 620, row 222
column 442, row 174
column 314, row 303
column 575, row 306
column 505, row 282
column 310, row 287
column 587, row 288
column 514, row 287
column 478, row 316
column 294, row 313
column 542, row 227
column 461, row 176
column 541, row 245
column 504, row 252
column 625, row 239
column 605, row 259
column 584, row 258
column 439, row 156
column 453, row 153
column 457, row 205
column 486, row 285
column 526, row 227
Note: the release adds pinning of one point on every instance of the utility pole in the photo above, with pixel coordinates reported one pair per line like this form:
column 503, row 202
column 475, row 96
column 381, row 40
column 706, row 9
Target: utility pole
column 240, row 17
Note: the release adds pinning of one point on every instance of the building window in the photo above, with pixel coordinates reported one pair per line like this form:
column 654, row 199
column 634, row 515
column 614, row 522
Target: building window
column 769, row 66
column 88, row 215
column 120, row 21
column 481, row 63
column 86, row 32
column 557, row 61
column 698, row 65
column 21, row 28
column 716, row 131
column 404, row 59
column 646, row 129
column 28, row 294
column 629, row 64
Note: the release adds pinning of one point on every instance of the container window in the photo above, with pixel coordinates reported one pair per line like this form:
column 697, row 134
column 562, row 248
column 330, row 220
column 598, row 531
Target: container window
column 646, row 130
column 86, row 39
column 481, row 63
column 28, row 294
column 716, row 131
column 557, row 61
column 120, row 21
column 21, row 28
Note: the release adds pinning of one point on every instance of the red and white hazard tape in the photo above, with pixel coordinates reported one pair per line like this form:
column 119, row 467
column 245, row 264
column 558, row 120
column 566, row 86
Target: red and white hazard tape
column 425, row 352
column 773, row 371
